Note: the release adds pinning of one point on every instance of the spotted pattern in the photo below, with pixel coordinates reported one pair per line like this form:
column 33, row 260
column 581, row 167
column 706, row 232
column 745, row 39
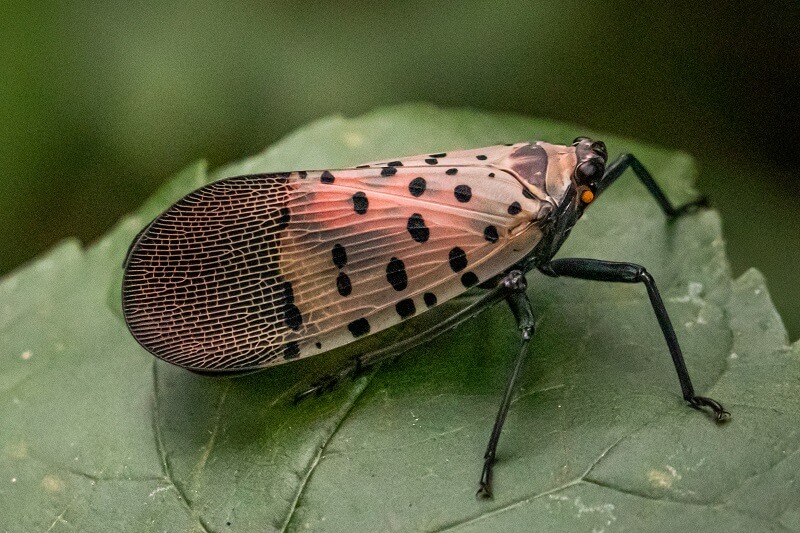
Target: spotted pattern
column 417, row 229
column 293, row 317
column 432, row 161
column 490, row 234
column 463, row 193
column 360, row 203
column 458, row 259
column 396, row 274
column 327, row 177
column 359, row 327
column 429, row 298
column 469, row 279
column 388, row 171
column 514, row 208
column 417, row 187
column 343, row 284
column 339, row 255
column 451, row 171
column 406, row 308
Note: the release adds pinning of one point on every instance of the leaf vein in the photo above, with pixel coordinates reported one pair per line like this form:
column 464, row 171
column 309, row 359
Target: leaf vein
column 315, row 461
column 166, row 466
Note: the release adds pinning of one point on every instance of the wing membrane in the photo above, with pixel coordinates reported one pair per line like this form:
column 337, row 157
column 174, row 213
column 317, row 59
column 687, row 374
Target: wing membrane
column 251, row 271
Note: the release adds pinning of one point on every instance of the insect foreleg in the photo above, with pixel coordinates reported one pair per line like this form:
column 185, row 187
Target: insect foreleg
column 594, row 269
column 369, row 359
column 625, row 161
column 523, row 312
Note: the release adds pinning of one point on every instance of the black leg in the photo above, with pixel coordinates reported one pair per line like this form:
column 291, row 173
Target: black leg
column 626, row 161
column 597, row 270
column 523, row 312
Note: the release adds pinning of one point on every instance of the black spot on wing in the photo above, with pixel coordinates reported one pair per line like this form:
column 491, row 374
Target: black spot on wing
column 490, row 234
column 429, row 298
column 469, row 279
column 463, row 193
column 327, row 177
column 359, row 327
column 457, row 259
column 360, row 203
column 405, row 308
column 292, row 317
column 417, row 187
column 339, row 255
column 417, row 229
column 396, row 274
column 343, row 284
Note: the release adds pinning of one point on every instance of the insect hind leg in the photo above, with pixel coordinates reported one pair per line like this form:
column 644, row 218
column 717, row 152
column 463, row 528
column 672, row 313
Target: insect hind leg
column 597, row 270
column 626, row 161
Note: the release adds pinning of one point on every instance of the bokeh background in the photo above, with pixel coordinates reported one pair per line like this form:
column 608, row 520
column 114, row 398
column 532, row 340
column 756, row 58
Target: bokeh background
column 100, row 102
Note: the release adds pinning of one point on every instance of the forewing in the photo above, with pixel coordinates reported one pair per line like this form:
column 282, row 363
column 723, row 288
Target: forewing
column 252, row 271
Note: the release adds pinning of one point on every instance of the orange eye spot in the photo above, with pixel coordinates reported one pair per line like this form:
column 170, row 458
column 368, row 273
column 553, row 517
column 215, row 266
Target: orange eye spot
column 587, row 196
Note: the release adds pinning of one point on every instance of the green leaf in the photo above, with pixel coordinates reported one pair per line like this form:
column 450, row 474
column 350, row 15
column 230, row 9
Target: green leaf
column 99, row 436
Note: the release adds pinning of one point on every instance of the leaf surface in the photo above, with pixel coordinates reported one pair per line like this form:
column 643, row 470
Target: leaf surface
column 98, row 435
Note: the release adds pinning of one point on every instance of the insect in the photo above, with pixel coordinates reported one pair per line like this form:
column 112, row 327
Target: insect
column 253, row 271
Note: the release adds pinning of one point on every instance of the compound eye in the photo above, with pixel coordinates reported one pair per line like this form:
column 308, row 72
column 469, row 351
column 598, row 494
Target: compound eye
column 588, row 171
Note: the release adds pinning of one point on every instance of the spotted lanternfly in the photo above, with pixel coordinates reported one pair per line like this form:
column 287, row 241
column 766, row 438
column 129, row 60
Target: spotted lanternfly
column 254, row 271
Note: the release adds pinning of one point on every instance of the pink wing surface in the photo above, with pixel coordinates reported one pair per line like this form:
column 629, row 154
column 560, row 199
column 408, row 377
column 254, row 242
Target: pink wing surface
column 253, row 271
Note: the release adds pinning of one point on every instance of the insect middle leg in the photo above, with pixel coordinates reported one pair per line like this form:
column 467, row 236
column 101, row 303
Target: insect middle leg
column 597, row 270
column 526, row 322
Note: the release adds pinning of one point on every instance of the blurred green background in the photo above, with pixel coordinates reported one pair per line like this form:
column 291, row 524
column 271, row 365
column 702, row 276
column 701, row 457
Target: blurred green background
column 102, row 101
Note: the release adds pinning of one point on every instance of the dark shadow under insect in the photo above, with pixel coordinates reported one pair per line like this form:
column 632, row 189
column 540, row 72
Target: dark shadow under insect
column 512, row 288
